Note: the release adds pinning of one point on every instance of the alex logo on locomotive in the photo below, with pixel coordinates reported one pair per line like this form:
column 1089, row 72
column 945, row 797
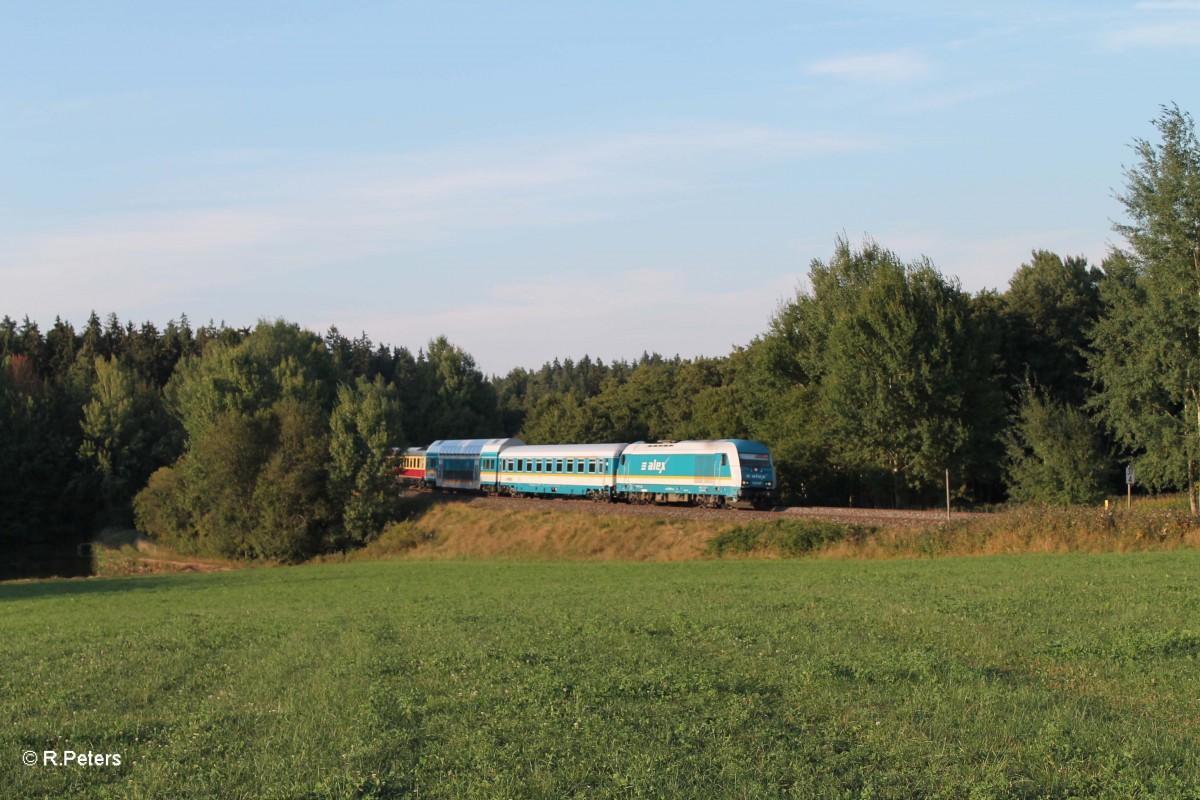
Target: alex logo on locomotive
column 655, row 466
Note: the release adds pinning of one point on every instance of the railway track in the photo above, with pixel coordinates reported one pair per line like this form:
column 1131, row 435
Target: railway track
column 852, row 516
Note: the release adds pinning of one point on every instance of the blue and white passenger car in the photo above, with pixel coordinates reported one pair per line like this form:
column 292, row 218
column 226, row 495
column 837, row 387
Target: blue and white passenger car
column 569, row 470
column 713, row 473
column 464, row 464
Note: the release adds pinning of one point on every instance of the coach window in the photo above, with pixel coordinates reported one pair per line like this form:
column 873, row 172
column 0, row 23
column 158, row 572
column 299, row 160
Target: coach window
column 570, row 465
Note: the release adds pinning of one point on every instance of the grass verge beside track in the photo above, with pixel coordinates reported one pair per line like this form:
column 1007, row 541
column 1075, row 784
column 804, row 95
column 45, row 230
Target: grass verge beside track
column 1009, row 676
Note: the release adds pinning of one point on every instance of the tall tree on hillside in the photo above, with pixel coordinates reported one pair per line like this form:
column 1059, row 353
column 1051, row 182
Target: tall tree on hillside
column 903, row 378
column 558, row 419
column 43, row 505
column 1148, row 341
column 364, row 427
column 1051, row 305
column 456, row 402
column 126, row 436
column 251, row 482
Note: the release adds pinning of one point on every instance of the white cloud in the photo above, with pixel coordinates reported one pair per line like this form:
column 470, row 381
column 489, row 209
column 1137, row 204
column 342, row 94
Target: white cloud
column 894, row 67
column 1182, row 33
column 1168, row 5
column 624, row 314
column 276, row 215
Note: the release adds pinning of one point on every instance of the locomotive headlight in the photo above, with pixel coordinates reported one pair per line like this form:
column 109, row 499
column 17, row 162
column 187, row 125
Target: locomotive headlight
column 745, row 483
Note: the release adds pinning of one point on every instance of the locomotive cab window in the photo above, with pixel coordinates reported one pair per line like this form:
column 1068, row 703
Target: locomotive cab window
column 724, row 460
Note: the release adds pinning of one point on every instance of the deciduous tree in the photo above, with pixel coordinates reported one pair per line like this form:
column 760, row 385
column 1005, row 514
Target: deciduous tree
column 1053, row 453
column 1147, row 343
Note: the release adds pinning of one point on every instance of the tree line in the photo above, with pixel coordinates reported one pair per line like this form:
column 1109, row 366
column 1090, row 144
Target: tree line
column 869, row 384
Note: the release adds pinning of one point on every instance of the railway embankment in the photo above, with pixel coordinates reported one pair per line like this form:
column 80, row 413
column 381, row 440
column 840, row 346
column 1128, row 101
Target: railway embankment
column 474, row 527
column 480, row 527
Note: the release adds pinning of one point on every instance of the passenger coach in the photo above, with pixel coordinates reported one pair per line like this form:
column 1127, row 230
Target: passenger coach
column 410, row 465
column 464, row 464
column 579, row 470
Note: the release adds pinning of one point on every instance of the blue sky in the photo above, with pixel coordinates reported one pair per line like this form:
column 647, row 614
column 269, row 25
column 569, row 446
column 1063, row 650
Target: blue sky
column 536, row 180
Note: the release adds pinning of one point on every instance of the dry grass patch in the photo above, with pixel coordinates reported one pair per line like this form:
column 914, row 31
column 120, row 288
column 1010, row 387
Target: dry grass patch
column 458, row 531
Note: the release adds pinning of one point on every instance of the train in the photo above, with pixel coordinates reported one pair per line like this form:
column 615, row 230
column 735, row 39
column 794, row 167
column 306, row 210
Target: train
column 715, row 473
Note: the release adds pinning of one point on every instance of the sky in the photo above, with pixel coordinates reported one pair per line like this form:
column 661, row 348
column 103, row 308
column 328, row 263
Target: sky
column 547, row 180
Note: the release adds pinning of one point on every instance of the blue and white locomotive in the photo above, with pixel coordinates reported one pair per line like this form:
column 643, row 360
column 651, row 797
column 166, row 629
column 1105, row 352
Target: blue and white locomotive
column 714, row 473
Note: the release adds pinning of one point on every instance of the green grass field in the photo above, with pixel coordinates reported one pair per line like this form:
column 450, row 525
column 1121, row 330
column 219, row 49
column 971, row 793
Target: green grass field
column 1012, row 676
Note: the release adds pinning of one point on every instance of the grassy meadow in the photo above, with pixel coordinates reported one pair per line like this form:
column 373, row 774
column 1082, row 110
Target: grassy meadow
column 1002, row 676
